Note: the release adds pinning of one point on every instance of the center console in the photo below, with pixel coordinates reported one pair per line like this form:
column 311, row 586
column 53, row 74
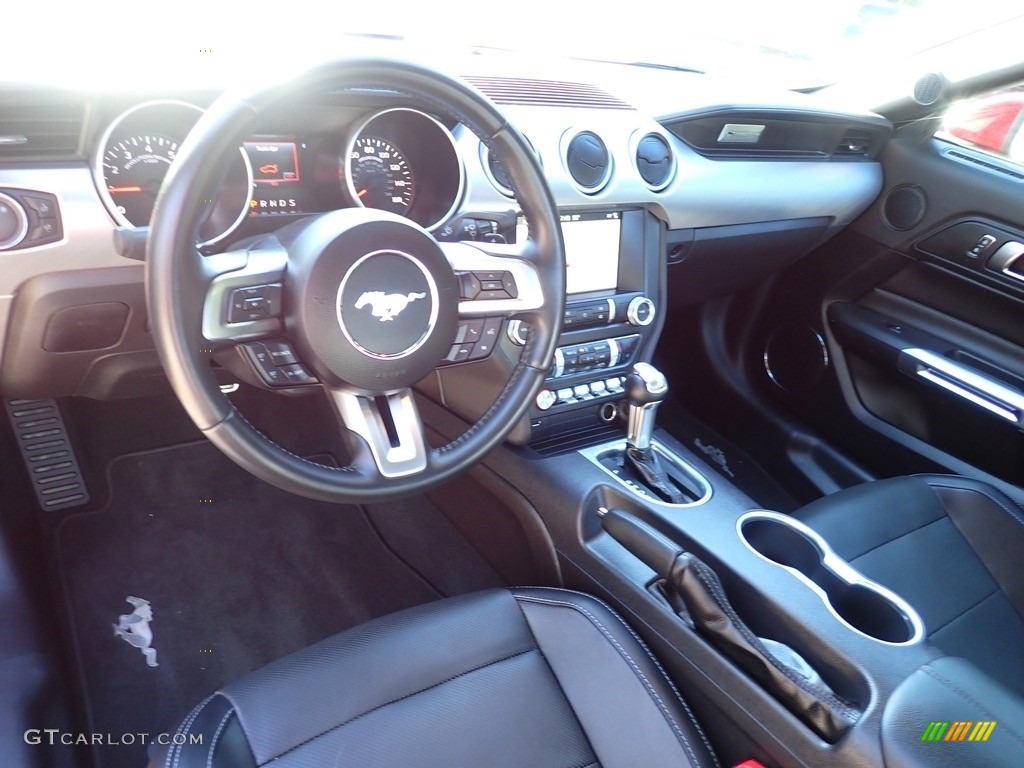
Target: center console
column 615, row 286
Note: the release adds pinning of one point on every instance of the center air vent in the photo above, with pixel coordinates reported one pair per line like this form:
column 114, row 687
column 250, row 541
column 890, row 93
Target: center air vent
column 34, row 130
column 588, row 161
column 654, row 161
column 546, row 93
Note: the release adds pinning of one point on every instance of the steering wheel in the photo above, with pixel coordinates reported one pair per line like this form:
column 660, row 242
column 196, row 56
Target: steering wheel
column 369, row 301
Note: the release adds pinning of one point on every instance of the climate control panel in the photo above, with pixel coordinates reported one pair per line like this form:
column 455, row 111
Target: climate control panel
column 594, row 355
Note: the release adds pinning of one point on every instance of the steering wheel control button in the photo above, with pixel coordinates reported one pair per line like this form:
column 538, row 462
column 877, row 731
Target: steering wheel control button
column 255, row 303
column 487, row 286
column 470, row 331
column 260, row 357
column 276, row 363
column 474, row 340
column 280, row 352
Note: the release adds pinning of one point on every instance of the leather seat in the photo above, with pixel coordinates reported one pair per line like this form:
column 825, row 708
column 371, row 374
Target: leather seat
column 950, row 547
column 525, row 677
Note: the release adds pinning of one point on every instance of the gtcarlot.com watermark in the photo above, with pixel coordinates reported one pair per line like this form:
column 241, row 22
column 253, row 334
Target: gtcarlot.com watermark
column 53, row 736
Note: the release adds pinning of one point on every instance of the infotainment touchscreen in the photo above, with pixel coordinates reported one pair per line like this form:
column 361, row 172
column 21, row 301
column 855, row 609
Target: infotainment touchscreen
column 591, row 249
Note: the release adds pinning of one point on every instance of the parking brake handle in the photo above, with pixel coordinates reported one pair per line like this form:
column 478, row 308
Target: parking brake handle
column 780, row 670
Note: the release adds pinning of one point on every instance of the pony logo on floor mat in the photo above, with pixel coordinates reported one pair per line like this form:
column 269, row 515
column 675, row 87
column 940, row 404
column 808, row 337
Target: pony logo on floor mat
column 135, row 630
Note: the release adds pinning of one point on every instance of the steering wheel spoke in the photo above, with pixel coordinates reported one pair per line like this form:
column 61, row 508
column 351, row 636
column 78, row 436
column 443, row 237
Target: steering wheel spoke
column 388, row 431
column 495, row 279
column 243, row 293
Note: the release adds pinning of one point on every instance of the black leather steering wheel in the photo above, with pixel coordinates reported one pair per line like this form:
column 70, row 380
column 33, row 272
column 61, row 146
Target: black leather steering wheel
column 326, row 266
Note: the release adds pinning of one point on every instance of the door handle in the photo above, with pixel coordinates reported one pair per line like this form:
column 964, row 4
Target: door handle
column 969, row 385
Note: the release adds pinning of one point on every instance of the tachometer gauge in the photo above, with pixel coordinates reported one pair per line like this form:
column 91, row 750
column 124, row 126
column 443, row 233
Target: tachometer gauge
column 137, row 151
column 380, row 176
column 134, row 168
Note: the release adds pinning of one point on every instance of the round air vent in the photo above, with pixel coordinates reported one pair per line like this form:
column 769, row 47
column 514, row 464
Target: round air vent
column 588, row 161
column 904, row 207
column 654, row 161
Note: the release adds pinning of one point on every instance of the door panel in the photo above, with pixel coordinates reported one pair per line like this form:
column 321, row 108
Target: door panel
column 922, row 325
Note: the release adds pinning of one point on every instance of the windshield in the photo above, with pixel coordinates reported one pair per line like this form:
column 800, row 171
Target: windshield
column 787, row 43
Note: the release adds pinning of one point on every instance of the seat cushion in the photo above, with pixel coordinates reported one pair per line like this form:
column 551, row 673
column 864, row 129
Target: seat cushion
column 527, row 677
column 950, row 547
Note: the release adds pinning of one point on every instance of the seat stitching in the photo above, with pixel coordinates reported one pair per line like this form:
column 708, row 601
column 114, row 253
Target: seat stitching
column 216, row 737
column 400, row 698
column 629, row 659
column 1014, row 512
column 653, row 659
column 566, row 699
column 965, row 611
column 938, row 676
column 944, row 516
column 185, row 727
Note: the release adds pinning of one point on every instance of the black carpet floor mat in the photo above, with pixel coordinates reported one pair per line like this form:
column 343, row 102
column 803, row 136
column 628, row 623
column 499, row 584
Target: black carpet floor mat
column 236, row 573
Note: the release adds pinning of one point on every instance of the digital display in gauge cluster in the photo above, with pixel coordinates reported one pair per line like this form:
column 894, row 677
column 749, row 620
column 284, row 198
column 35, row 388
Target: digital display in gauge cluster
column 278, row 185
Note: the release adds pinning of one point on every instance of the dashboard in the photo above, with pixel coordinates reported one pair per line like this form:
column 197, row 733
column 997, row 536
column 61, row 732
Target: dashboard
column 663, row 181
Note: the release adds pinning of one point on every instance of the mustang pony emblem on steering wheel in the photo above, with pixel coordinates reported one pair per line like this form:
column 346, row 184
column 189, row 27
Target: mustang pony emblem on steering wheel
column 387, row 306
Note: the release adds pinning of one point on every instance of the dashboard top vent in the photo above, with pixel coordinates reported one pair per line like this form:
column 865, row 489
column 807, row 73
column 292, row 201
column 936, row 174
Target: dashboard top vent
column 40, row 129
column 994, row 167
column 546, row 93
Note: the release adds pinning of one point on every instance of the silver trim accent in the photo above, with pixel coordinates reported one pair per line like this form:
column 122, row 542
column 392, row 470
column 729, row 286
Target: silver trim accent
column 471, row 257
column 434, row 306
column 350, row 187
column 740, row 133
column 361, row 415
column 594, row 453
column 21, row 228
column 611, row 310
column 563, row 153
column 634, row 145
column 227, row 389
column 766, row 359
column 839, row 568
column 13, row 139
column 514, row 331
column 485, row 155
column 973, row 387
column 613, row 352
column 240, row 269
column 100, row 178
column 559, row 364
column 1007, row 255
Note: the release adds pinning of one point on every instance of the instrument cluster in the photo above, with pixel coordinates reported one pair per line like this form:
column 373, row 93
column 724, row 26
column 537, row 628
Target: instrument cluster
column 399, row 159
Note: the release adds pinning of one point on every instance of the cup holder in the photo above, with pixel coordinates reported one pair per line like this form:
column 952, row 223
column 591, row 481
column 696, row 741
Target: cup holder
column 861, row 604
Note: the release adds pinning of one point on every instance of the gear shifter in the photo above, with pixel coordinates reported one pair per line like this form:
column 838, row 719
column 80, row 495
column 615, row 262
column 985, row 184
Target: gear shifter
column 646, row 388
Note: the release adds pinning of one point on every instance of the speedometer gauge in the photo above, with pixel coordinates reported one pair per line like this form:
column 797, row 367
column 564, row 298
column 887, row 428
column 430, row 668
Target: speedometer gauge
column 380, row 176
column 134, row 168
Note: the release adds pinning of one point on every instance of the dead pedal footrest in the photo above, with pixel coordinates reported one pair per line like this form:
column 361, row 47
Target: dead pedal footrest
column 48, row 453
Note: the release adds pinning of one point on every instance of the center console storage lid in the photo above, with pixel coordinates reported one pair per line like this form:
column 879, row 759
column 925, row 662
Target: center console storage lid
column 949, row 713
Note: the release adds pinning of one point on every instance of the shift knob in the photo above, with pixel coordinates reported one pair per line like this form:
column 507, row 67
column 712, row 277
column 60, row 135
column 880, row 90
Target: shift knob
column 645, row 384
column 646, row 387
